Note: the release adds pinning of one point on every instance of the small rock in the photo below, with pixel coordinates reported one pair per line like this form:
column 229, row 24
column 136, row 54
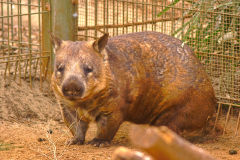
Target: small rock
column 41, row 139
column 6, row 85
column 231, row 152
column 49, row 131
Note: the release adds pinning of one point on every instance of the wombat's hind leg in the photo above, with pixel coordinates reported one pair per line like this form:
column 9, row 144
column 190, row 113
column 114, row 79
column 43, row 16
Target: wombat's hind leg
column 77, row 127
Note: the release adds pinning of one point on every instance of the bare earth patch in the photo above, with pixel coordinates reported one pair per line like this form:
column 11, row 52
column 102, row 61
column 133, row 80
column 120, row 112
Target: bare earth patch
column 32, row 140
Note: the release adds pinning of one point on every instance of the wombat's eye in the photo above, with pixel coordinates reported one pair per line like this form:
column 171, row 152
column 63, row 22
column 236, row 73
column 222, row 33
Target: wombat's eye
column 87, row 69
column 60, row 68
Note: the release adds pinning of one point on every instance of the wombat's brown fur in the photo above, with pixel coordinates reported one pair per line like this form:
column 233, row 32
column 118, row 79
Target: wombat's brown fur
column 145, row 78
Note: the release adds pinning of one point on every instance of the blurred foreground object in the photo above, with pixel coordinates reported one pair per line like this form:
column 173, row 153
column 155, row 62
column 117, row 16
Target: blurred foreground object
column 160, row 143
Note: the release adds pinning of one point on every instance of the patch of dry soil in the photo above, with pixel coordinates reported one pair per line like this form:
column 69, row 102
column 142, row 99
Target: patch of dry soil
column 20, row 102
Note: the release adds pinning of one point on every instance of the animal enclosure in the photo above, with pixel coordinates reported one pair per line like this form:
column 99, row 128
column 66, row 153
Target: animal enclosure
column 211, row 28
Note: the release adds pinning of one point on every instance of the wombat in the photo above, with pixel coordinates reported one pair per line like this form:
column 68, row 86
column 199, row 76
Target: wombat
column 145, row 78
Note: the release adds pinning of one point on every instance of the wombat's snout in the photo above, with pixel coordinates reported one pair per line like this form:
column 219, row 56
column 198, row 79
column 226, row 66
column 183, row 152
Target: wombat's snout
column 73, row 88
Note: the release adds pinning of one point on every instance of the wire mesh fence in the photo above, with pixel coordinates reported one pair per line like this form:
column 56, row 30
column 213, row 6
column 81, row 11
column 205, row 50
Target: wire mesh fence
column 211, row 28
column 20, row 41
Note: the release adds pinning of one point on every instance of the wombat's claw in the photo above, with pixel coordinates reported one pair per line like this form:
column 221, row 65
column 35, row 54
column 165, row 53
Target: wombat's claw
column 74, row 141
column 99, row 142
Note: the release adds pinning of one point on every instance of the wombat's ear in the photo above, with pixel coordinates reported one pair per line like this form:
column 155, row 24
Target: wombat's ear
column 55, row 41
column 100, row 43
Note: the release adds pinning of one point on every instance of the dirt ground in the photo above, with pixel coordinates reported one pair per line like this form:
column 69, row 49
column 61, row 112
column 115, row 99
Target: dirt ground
column 27, row 117
column 23, row 141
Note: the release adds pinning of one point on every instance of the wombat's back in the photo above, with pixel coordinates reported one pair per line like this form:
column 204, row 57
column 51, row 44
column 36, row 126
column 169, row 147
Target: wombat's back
column 161, row 75
column 157, row 56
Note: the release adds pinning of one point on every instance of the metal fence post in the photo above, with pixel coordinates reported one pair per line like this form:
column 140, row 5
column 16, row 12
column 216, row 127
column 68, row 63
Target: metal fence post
column 46, row 50
column 64, row 19
column 60, row 18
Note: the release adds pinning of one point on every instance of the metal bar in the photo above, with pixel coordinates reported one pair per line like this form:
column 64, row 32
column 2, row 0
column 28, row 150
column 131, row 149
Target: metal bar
column 16, row 64
column 22, row 4
column 2, row 21
column 128, row 24
column 12, row 56
column 87, row 36
column 30, row 41
column 75, row 18
column 25, row 59
column 123, row 10
column 16, row 41
column 46, row 28
column 226, row 98
column 142, row 13
column 114, row 16
column 173, row 22
column 238, row 120
column 227, row 119
column 218, row 55
column 107, row 15
column 146, row 15
column 7, row 68
column 235, row 105
column 25, row 14
column 40, row 42
column 136, row 16
column 36, row 67
column 127, row 18
column 20, row 38
column 86, row 19
column 162, row 7
column 164, row 15
column 11, row 6
column 218, row 111
column 117, row 14
column 132, row 15
column 183, row 19
column 153, row 16
column 25, row 70
column 104, row 15
column 96, row 13
column 233, row 28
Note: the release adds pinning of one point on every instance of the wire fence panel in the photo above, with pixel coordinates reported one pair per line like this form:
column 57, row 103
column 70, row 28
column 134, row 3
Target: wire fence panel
column 20, row 39
column 213, row 33
column 211, row 28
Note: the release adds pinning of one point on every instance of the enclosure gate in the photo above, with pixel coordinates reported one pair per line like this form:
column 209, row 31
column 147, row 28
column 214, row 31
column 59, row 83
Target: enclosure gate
column 211, row 28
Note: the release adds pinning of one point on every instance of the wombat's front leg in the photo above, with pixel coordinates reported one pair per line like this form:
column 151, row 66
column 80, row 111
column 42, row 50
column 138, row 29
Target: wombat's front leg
column 77, row 126
column 107, row 126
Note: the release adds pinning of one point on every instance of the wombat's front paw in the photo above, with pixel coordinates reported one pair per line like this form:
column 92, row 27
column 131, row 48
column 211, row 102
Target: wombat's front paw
column 99, row 142
column 75, row 140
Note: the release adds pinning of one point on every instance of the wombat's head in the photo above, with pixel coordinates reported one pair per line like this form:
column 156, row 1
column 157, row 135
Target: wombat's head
column 80, row 67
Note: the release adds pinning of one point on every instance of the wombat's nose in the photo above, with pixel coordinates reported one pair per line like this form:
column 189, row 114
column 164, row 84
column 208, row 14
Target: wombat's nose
column 73, row 88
